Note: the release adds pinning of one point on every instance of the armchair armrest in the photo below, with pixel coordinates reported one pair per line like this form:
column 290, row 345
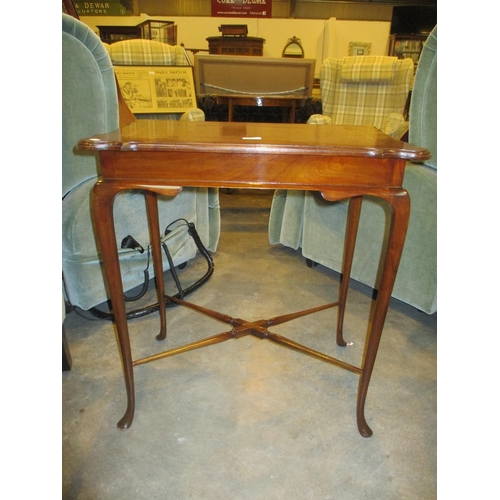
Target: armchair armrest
column 396, row 126
column 193, row 115
column 318, row 119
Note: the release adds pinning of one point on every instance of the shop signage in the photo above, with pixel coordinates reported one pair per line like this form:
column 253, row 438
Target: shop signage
column 242, row 8
column 109, row 8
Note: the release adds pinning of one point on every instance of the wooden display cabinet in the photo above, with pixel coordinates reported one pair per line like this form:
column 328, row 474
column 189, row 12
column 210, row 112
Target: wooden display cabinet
column 236, row 45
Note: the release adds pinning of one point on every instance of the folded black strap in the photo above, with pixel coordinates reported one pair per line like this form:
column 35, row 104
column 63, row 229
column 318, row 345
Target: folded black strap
column 182, row 292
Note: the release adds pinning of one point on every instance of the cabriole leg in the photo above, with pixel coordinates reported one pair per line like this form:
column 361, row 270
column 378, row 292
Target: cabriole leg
column 400, row 203
column 102, row 200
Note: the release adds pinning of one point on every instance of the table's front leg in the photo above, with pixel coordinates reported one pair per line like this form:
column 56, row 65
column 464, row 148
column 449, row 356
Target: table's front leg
column 400, row 203
column 102, row 200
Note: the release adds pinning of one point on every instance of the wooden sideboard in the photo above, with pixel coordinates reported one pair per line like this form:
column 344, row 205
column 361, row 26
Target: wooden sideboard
column 236, row 45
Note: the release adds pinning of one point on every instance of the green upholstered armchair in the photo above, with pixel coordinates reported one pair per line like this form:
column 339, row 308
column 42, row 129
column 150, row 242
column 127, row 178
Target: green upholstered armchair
column 306, row 221
column 90, row 106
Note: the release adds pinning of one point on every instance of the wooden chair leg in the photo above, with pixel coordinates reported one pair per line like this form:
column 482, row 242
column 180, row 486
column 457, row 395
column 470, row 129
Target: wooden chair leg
column 66, row 355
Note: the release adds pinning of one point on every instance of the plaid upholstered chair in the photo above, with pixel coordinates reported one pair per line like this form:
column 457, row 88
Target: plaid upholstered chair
column 372, row 91
column 365, row 90
column 90, row 106
column 141, row 52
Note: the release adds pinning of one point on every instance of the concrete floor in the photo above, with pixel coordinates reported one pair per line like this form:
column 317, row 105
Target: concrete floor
column 248, row 419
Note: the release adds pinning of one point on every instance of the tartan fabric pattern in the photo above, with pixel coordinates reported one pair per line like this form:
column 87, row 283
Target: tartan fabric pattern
column 364, row 102
column 140, row 52
column 367, row 69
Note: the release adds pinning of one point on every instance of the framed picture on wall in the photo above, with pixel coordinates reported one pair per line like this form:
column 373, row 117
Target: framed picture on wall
column 157, row 89
column 359, row 48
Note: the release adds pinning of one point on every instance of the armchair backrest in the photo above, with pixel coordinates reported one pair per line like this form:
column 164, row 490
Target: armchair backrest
column 89, row 98
column 423, row 106
column 364, row 90
column 143, row 52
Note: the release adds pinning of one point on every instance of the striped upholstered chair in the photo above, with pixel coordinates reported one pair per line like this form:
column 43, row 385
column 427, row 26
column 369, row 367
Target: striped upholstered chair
column 373, row 94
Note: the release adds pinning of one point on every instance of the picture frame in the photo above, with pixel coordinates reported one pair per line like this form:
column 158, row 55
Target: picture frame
column 359, row 48
column 157, row 89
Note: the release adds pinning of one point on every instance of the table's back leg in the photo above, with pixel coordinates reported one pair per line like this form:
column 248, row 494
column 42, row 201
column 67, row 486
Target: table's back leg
column 154, row 237
column 400, row 203
column 349, row 245
column 103, row 196
column 292, row 112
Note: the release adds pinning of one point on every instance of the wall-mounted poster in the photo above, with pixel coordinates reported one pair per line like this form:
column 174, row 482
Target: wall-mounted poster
column 242, row 8
column 109, row 8
column 157, row 89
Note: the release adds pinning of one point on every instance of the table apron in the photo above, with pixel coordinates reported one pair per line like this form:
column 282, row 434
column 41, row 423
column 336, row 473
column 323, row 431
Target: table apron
column 252, row 170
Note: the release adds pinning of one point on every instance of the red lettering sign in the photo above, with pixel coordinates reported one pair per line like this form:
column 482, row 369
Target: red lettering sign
column 242, row 8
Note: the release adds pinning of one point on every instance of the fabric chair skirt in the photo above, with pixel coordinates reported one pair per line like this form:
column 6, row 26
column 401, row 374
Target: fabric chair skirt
column 305, row 220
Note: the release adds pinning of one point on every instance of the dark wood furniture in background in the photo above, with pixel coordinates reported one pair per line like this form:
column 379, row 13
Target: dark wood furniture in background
column 287, row 104
column 236, row 46
column 110, row 34
column 235, row 42
column 162, row 156
column 68, row 7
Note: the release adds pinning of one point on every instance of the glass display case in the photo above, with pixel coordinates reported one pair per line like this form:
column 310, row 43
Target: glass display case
column 161, row 31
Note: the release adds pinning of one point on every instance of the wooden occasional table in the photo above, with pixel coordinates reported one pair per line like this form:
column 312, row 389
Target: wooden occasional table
column 161, row 157
column 289, row 104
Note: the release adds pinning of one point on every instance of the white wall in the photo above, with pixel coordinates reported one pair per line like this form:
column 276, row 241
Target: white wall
column 343, row 32
column 320, row 38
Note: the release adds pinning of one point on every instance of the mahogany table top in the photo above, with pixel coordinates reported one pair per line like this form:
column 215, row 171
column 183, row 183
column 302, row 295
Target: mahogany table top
column 240, row 137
